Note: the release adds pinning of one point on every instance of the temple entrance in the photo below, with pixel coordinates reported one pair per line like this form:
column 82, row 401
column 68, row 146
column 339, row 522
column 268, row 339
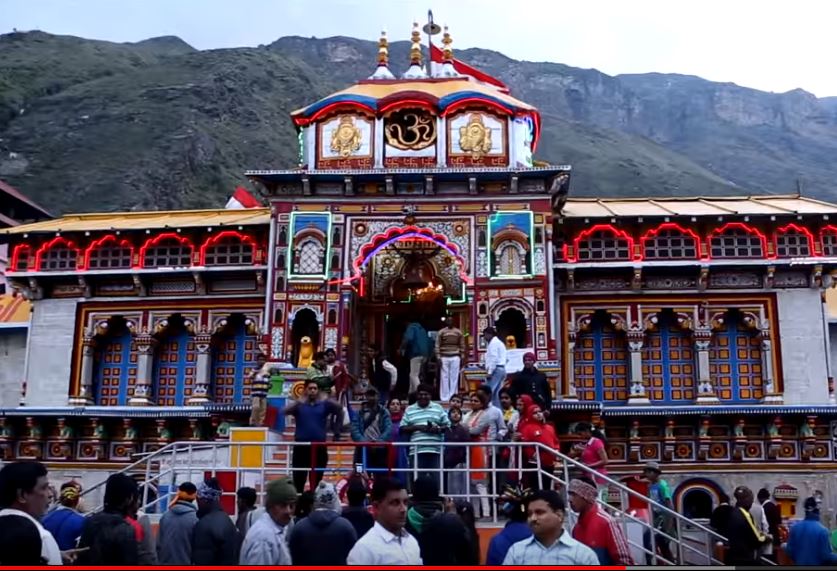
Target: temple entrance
column 512, row 325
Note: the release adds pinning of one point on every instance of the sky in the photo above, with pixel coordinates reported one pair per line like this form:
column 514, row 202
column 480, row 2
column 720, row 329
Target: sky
column 768, row 44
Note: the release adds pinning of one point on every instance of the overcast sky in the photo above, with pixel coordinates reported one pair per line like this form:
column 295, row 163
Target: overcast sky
column 768, row 44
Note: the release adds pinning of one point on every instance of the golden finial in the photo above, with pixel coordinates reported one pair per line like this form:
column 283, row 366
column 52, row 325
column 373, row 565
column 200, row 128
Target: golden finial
column 383, row 50
column 447, row 50
column 415, row 49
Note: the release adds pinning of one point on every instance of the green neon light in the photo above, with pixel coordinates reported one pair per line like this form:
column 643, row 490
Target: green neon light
column 289, row 262
column 530, row 264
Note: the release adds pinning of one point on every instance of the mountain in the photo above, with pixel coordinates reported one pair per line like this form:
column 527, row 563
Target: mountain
column 90, row 125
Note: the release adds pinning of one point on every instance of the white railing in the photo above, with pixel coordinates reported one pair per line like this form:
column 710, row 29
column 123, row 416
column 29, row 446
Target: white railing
column 178, row 462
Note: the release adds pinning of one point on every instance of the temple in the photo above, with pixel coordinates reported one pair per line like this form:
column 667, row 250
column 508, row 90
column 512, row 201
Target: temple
column 694, row 331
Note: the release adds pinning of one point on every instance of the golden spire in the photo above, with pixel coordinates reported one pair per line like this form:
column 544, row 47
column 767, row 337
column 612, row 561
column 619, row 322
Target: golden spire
column 447, row 50
column 382, row 70
column 415, row 49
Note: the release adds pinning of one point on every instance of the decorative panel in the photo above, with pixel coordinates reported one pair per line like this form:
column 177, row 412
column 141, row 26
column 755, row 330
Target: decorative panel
column 735, row 363
column 311, row 242
column 476, row 138
column 116, row 369
column 510, row 238
column 174, row 369
column 668, row 363
column 345, row 141
column 233, row 357
column 601, row 364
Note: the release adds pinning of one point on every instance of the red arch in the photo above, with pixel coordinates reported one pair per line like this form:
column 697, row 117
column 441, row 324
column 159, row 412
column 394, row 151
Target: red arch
column 53, row 243
column 101, row 242
column 829, row 228
column 243, row 238
column 16, row 253
column 157, row 239
column 796, row 228
column 741, row 226
column 669, row 226
column 604, row 228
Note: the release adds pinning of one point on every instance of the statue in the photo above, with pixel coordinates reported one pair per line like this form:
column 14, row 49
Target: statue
column 223, row 431
column 669, row 430
column 346, row 138
column 306, row 353
column 475, row 137
column 65, row 431
column 163, row 431
column 738, row 431
column 634, row 430
column 99, row 432
column 34, row 431
column 131, row 432
column 511, row 342
column 6, row 432
column 703, row 431
column 773, row 428
column 805, row 431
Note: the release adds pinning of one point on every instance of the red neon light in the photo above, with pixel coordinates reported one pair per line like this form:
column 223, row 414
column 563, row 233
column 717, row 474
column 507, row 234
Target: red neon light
column 408, row 103
column 583, row 235
column 670, row 226
column 157, row 239
column 101, row 242
column 825, row 229
column 331, row 106
column 740, row 226
column 243, row 238
column 52, row 243
column 796, row 228
column 16, row 253
column 469, row 100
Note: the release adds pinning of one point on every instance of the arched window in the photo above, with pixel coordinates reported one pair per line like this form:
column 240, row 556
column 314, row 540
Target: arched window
column 828, row 240
column 604, row 244
column 21, row 258
column 736, row 240
column 115, row 367
column 510, row 260
column 109, row 253
column 793, row 241
column 735, row 363
column 670, row 242
column 235, row 352
column 167, row 251
column 697, row 504
column 309, row 260
column 175, row 364
column 601, row 362
column 668, row 362
column 228, row 249
column 57, row 255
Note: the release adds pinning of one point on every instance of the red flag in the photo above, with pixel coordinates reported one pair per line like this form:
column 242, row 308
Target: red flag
column 242, row 199
column 463, row 68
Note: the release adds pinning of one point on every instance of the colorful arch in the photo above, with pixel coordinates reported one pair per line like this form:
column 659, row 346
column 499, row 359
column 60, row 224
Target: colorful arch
column 704, row 484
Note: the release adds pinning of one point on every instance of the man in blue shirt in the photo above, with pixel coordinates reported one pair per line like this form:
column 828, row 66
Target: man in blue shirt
column 312, row 416
column 808, row 542
column 65, row 523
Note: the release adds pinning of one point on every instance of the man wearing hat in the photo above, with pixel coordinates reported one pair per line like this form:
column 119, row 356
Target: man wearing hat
column 595, row 528
column 808, row 542
column 530, row 381
column 660, row 492
column 267, row 540
column 372, row 424
column 215, row 540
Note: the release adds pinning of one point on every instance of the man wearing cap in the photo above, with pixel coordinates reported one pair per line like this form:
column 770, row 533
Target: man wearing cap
column 596, row 529
column 65, row 522
column 266, row 541
column 323, row 527
column 530, row 381
column 808, row 542
column 660, row 492
column 372, row 424
column 215, row 540
column 743, row 535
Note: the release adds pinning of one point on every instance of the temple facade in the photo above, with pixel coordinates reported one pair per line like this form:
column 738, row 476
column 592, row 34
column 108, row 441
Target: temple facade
column 694, row 331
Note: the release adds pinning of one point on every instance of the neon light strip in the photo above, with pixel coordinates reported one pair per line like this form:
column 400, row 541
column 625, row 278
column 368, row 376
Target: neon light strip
column 530, row 265
column 736, row 226
column 95, row 244
column 157, row 239
column 243, row 238
column 668, row 226
column 16, row 257
column 793, row 228
column 51, row 244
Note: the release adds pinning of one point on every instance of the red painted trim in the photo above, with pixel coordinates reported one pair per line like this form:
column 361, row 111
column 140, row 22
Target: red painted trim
column 670, row 226
column 16, row 257
column 243, row 238
column 51, row 244
column 828, row 228
column 424, row 104
column 101, row 242
column 795, row 228
column 302, row 121
column 741, row 226
column 471, row 100
column 602, row 228
column 157, row 239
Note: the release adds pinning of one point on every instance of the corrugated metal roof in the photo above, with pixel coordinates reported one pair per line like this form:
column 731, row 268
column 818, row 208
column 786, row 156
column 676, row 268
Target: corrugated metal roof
column 696, row 206
column 146, row 220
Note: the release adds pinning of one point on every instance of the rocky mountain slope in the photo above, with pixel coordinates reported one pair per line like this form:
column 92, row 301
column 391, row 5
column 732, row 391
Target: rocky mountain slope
column 90, row 125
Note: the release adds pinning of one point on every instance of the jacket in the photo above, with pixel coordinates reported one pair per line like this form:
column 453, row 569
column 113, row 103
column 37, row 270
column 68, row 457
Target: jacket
column 442, row 537
column 774, row 519
column 322, row 538
column 363, row 420
column 110, row 539
column 498, row 548
column 808, row 542
column 743, row 540
column 599, row 532
column 456, row 455
column 174, row 536
column 215, row 540
column 533, row 383
column 360, row 518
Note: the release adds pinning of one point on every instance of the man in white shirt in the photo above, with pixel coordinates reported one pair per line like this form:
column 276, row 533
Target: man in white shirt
column 550, row 544
column 387, row 543
column 495, row 364
column 24, row 491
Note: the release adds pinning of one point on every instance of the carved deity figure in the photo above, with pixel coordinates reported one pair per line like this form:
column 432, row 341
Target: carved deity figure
column 5, row 430
column 475, row 137
column 223, row 430
column 346, row 138
column 738, row 431
column 806, row 431
column 99, row 432
column 65, row 431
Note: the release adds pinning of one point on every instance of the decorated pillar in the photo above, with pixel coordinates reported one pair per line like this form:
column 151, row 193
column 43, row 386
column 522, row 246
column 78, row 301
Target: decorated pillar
column 85, row 391
column 569, row 365
column 203, row 370
column 636, row 338
column 706, row 389
column 770, row 393
column 145, row 370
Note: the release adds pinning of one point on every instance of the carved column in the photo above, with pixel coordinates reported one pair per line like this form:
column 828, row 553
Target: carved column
column 85, row 390
column 570, row 366
column 203, row 370
column 145, row 370
column 706, row 389
column 636, row 338
column 770, row 394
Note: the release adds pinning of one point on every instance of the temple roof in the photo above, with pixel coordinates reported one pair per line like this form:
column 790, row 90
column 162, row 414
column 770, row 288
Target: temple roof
column 696, row 206
column 146, row 220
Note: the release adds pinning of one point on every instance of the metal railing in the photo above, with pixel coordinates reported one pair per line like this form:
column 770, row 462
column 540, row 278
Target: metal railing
column 177, row 462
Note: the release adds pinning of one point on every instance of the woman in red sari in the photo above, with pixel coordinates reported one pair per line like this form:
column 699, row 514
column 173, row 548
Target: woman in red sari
column 537, row 430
